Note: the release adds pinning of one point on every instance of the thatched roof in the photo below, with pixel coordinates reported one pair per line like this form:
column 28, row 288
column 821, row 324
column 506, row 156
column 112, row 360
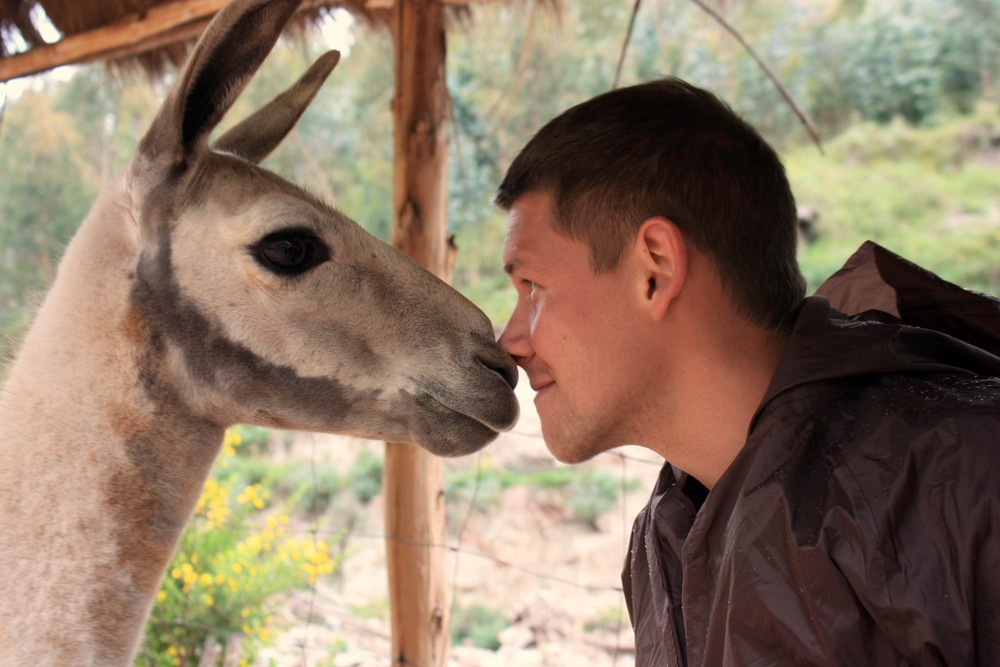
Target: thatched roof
column 153, row 35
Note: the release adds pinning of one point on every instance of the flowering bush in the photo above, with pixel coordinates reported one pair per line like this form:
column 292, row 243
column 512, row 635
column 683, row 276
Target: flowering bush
column 233, row 562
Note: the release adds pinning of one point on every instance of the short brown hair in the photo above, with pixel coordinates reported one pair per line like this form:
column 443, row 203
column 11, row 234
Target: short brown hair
column 671, row 149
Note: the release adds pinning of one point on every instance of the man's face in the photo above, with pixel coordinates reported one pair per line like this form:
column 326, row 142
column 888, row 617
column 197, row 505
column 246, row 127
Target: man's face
column 577, row 335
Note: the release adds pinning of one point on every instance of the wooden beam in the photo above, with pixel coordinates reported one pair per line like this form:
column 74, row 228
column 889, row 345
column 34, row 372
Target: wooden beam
column 419, row 599
column 161, row 25
column 134, row 34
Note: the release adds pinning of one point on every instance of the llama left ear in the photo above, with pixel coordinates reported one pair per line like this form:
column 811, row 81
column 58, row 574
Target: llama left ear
column 222, row 63
column 256, row 136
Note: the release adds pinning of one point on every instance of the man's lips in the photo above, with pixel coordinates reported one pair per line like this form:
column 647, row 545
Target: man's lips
column 538, row 386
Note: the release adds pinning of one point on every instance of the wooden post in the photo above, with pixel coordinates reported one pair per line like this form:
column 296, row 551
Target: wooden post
column 413, row 479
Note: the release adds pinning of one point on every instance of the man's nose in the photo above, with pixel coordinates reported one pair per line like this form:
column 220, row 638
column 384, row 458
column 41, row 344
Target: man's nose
column 514, row 338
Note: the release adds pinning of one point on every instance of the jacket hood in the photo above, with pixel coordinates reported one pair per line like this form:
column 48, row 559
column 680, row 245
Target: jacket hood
column 881, row 313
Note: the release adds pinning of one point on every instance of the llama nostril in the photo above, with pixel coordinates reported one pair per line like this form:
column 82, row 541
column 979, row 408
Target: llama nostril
column 489, row 353
column 502, row 365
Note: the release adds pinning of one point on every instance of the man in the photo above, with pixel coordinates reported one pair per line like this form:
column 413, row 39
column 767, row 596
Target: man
column 832, row 488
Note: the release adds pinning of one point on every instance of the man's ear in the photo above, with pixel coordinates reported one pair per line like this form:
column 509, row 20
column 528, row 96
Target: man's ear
column 663, row 257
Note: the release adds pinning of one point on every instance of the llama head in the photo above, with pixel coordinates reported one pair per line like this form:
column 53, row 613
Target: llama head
column 257, row 303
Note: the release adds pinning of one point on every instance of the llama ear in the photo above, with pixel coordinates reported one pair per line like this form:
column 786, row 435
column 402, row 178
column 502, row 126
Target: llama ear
column 222, row 63
column 260, row 133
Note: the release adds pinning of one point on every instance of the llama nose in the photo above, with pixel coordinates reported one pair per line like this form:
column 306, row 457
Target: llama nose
column 501, row 363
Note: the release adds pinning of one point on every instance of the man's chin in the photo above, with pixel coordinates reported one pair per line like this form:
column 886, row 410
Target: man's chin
column 567, row 449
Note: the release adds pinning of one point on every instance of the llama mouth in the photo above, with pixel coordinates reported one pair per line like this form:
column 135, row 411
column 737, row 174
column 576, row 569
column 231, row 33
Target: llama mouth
column 440, row 405
column 446, row 432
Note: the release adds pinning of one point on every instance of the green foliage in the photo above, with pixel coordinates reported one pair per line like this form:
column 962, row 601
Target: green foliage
column 590, row 493
column 611, row 619
column 257, row 440
column 46, row 187
column 366, row 476
column 928, row 194
column 314, row 486
column 234, row 562
column 593, row 493
column 477, row 625
column 549, row 478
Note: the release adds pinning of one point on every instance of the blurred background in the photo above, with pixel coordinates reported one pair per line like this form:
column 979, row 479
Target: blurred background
column 285, row 551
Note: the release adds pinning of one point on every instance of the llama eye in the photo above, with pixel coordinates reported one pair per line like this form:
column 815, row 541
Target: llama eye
column 291, row 252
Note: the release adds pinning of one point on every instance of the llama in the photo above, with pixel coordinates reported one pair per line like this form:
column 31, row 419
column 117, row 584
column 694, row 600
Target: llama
column 202, row 291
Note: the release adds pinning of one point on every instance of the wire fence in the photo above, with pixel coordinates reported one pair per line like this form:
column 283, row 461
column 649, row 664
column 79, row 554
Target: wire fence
column 543, row 587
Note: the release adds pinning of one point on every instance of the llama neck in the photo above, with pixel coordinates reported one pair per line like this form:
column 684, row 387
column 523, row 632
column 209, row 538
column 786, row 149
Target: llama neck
column 102, row 467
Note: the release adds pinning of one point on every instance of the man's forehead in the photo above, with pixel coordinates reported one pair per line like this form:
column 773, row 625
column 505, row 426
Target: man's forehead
column 531, row 236
column 520, row 243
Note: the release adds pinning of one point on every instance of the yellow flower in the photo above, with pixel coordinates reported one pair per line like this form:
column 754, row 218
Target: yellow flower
column 176, row 573
column 161, row 596
column 206, row 579
column 237, row 568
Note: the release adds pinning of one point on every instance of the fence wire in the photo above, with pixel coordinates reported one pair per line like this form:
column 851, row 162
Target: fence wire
column 316, row 532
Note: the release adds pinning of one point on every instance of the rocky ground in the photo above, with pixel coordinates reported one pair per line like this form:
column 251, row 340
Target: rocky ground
column 550, row 581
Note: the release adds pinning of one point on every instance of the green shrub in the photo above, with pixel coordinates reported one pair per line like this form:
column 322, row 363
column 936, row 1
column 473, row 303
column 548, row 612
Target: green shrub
column 257, row 439
column 477, row 625
column 366, row 475
column 590, row 493
column 612, row 619
column 594, row 493
column 314, row 487
column 928, row 194
column 233, row 563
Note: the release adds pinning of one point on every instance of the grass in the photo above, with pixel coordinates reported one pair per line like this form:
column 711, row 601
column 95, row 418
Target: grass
column 589, row 493
column 477, row 625
column 928, row 194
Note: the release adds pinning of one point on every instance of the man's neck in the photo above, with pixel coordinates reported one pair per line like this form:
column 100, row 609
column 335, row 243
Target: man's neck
column 720, row 379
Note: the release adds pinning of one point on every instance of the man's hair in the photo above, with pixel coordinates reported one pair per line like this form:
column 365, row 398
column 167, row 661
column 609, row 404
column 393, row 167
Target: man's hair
column 667, row 148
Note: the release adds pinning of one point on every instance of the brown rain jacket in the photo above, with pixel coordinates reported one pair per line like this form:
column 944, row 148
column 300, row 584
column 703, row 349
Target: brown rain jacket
column 860, row 525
